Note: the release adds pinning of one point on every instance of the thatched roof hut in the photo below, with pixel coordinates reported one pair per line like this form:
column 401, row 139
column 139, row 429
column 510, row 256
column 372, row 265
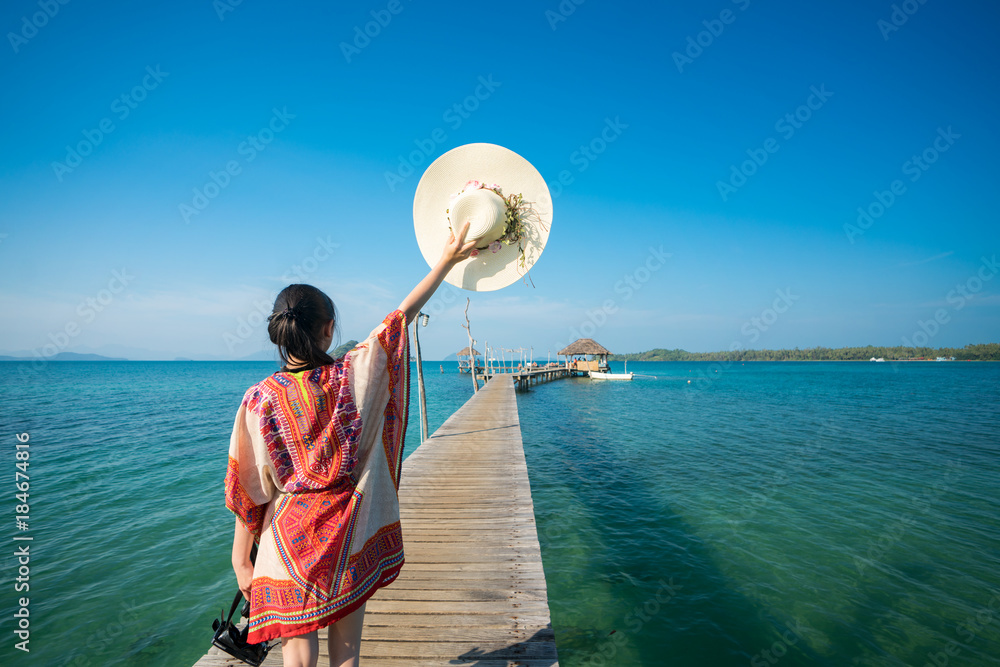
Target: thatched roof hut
column 584, row 346
column 464, row 352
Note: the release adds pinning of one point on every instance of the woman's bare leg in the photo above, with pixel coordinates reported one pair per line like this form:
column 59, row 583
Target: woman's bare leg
column 300, row 651
column 345, row 639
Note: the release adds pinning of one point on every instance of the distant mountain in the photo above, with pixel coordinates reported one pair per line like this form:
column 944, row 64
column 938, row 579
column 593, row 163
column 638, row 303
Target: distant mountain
column 976, row 352
column 137, row 354
column 343, row 349
column 65, row 356
column 131, row 352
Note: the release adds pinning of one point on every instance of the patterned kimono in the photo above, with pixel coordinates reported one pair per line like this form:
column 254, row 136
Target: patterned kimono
column 314, row 464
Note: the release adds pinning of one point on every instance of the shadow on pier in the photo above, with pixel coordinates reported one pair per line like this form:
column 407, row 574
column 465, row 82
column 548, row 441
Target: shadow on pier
column 536, row 651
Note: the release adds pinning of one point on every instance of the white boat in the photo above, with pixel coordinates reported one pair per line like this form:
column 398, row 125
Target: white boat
column 598, row 375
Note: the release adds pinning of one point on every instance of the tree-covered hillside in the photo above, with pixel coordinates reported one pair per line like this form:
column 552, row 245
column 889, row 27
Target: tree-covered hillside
column 980, row 352
column 343, row 349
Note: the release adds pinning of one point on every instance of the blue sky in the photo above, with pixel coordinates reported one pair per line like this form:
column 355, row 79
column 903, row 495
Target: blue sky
column 723, row 212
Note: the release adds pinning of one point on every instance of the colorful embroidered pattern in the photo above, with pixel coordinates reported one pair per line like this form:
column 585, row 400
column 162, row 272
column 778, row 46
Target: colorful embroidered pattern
column 326, row 548
column 396, row 345
column 240, row 503
column 313, row 531
column 385, row 547
column 279, row 608
column 307, row 436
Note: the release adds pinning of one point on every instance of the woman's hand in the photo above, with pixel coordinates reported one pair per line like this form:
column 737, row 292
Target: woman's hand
column 458, row 249
column 454, row 252
column 244, row 575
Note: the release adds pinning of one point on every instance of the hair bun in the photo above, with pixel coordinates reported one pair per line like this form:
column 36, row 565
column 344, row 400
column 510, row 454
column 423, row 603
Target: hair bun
column 281, row 313
column 296, row 324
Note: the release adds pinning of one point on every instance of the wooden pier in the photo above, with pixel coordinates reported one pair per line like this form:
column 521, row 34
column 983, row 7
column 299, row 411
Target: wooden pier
column 472, row 591
column 525, row 378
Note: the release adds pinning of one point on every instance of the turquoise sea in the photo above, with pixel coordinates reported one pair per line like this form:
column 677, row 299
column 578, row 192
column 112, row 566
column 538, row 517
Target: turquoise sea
column 767, row 513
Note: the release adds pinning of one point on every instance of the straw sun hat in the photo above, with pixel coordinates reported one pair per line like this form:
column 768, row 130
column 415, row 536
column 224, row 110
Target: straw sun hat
column 506, row 202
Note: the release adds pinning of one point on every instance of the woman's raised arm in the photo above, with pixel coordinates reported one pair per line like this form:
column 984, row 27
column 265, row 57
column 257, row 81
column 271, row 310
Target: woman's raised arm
column 454, row 252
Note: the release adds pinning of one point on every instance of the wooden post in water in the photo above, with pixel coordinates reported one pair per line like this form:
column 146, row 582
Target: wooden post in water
column 421, row 319
column 472, row 350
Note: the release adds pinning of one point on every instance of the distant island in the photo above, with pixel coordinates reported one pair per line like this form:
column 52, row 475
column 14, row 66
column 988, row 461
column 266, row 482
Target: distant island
column 64, row 356
column 343, row 349
column 77, row 356
column 980, row 352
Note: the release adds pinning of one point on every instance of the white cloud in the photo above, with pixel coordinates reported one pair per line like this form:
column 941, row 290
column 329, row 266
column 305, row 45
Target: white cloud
column 926, row 260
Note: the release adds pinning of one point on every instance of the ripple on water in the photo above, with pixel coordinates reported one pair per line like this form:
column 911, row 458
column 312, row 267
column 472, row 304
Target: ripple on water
column 779, row 494
column 689, row 524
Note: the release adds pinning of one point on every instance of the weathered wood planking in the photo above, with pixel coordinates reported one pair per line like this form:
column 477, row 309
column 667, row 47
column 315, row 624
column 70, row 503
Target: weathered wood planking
column 523, row 379
column 472, row 591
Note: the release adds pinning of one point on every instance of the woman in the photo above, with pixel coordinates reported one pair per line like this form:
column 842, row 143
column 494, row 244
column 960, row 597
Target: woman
column 313, row 471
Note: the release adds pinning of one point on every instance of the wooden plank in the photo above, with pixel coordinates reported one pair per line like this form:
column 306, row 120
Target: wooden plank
column 482, row 633
column 508, row 538
column 452, row 621
column 413, row 567
column 434, row 662
column 452, row 582
column 472, row 590
column 535, row 607
column 544, row 647
column 479, row 594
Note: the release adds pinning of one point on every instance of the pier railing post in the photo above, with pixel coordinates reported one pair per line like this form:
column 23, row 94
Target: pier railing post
column 420, row 376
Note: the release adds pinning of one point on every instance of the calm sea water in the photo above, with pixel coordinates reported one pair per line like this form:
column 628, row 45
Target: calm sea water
column 786, row 513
